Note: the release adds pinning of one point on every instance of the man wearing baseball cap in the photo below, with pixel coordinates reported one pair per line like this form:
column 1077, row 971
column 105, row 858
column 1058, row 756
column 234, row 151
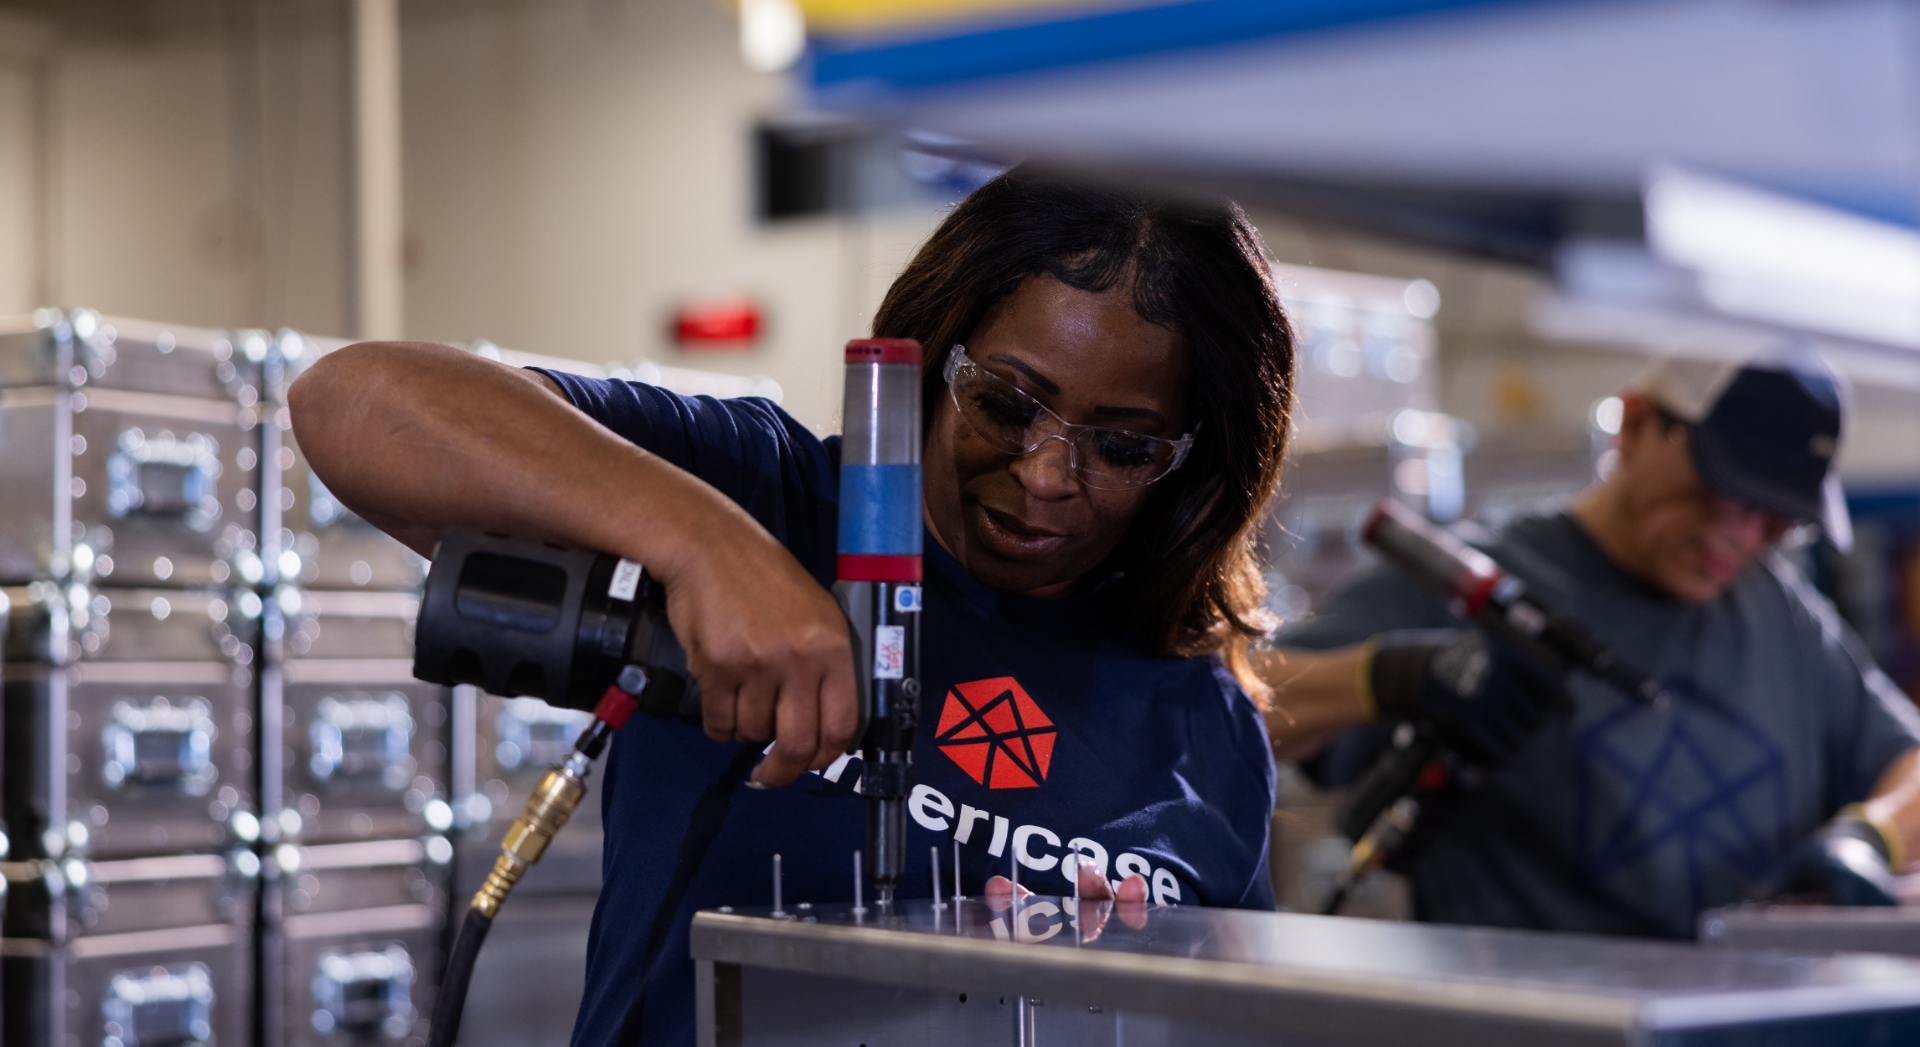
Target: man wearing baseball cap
column 1785, row 765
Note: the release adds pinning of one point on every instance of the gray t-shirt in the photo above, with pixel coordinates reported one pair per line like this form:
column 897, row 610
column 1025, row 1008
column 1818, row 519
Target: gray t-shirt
column 1625, row 819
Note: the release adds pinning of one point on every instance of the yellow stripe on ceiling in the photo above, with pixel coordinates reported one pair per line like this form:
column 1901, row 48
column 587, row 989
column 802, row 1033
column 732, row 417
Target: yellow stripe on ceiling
column 844, row 16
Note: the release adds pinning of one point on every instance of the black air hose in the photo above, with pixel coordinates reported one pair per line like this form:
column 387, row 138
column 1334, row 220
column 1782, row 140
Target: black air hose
column 453, row 988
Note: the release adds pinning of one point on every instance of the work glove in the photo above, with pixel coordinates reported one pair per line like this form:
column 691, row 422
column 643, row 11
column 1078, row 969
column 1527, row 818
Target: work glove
column 1485, row 698
column 1849, row 861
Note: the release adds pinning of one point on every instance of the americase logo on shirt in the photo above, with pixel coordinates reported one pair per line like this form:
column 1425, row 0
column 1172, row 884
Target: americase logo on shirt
column 996, row 733
column 1035, row 847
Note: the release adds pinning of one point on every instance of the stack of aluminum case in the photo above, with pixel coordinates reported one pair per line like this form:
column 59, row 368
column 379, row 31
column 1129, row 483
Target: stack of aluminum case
column 356, row 781
column 128, row 537
column 226, row 796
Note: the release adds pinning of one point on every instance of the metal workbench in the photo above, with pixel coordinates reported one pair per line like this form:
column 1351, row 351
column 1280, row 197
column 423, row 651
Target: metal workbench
column 1814, row 928
column 1190, row 976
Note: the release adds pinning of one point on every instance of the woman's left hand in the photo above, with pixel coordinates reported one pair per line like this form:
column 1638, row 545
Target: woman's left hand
column 1099, row 900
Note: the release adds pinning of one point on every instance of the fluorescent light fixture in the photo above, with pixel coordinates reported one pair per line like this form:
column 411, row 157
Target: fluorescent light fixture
column 1781, row 260
column 773, row 34
column 1705, row 335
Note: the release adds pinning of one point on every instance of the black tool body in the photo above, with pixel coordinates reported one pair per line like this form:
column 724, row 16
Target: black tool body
column 520, row 618
column 574, row 628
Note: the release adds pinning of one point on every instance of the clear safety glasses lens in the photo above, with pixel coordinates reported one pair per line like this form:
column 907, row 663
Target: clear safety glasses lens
column 1012, row 422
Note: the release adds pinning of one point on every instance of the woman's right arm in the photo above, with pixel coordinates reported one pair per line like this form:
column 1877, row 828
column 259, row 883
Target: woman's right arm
column 418, row 437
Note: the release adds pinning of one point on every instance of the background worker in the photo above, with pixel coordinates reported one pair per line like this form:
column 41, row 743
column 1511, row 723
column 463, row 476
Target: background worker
column 1786, row 761
column 1105, row 396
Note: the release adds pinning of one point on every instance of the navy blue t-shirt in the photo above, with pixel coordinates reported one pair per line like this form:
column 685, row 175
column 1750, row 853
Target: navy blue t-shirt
column 1040, row 732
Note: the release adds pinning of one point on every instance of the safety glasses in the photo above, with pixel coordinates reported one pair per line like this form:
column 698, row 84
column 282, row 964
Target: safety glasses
column 1015, row 423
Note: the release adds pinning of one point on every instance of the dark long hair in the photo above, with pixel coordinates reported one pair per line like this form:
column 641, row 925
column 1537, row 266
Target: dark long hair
column 1186, row 579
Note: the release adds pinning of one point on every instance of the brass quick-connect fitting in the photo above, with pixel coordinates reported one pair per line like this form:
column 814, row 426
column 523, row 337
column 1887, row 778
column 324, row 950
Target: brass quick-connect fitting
column 1363, row 857
column 547, row 810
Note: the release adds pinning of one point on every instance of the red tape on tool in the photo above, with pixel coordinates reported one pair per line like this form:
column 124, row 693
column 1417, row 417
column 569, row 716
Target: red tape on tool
column 1474, row 588
column 872, row 568
column 615, row 706
column 883, row 351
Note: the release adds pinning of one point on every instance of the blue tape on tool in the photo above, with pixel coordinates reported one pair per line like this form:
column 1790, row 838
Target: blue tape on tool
column 880, row 510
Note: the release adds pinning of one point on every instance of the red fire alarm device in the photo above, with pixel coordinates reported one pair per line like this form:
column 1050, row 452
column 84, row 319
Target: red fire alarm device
column 719, row 325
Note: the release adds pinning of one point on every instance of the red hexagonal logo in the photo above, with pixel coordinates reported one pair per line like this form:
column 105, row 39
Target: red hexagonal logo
column 996, row 733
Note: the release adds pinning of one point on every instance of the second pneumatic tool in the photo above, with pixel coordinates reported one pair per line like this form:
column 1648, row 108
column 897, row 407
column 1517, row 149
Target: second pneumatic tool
column 1388, row 803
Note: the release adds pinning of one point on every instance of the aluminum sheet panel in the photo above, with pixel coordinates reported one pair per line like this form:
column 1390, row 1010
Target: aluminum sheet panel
column 114, row 759
column 149, row 950
column 1326, row 980
column 322, row 624
column 83, row 348
column 129, row 488
column 1813, row 928
column 375, row 874
column 57, row 625
column 363, row 750
column 364, row 976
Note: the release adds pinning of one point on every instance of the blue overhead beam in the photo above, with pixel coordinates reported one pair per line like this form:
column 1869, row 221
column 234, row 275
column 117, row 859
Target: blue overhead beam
column 1498, row 127
column 1004, row 50
column 1895, row 204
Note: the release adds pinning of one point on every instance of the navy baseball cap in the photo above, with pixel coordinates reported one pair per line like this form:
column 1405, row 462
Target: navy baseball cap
column 1764, row 433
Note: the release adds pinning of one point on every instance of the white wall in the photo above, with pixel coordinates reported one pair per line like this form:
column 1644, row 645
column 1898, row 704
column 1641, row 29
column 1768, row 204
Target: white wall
column 23, row 50
column 576, row 169
column 179, row 195
column 140, row 162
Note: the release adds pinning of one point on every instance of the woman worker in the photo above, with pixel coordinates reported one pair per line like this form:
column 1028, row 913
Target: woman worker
column 1106, row 395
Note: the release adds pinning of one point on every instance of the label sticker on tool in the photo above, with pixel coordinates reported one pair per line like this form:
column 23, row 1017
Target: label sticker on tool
column 906, row 599
column 889, row 652
column 626, row 580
